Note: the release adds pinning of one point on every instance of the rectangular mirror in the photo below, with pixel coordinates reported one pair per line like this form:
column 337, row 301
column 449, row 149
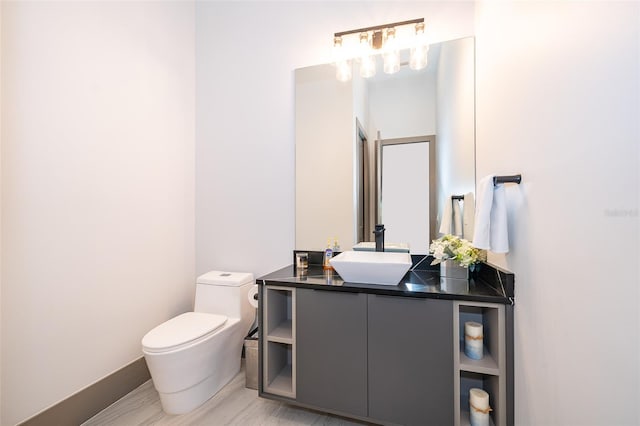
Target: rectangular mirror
column 388, row 149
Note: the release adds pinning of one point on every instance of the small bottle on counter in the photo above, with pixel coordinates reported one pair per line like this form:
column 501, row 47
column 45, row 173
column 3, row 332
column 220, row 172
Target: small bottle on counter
column 336, row 246
column 328, row 254
column 302, row 261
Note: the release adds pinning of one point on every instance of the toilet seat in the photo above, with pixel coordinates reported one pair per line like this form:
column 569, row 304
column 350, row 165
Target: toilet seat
column 182, row 330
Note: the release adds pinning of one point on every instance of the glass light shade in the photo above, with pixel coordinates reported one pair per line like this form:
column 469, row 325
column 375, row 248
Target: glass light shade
column 343, row 70
column 391, row 54
column 419, row 51
column 343, row 65
column 367, row 59
column 418, row 58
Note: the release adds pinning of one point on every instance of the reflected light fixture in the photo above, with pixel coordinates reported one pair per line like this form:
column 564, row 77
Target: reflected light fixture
column 343, row 64
column 386, row 40
column 391, row 53
column 367, row 58
column 419, row 51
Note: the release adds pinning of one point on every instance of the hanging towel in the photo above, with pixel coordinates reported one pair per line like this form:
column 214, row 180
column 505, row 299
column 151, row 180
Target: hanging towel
column 457, row 217
column 447, row 214
column 490, row 227
column 468, row 213
column 499, row 232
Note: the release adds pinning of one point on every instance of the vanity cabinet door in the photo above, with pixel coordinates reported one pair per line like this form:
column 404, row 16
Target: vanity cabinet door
column 410, row 360
column 331, row 350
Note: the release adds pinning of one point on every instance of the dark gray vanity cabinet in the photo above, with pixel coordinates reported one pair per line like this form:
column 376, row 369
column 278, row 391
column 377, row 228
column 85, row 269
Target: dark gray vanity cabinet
column 410, row 360
column 331, row 355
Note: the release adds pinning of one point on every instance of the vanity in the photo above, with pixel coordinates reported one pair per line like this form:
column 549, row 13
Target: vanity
column 386, row 354
column 399, row 149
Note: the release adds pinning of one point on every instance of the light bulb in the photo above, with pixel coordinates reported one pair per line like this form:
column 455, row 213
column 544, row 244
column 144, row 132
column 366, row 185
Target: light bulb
column 391, row 53
column 367, row 60
column 420, row 50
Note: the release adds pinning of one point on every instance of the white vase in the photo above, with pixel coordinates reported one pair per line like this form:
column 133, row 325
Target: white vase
column 452, row 269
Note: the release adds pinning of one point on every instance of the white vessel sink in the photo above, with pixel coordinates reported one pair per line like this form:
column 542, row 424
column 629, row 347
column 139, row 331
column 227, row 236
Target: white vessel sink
column 372, row 267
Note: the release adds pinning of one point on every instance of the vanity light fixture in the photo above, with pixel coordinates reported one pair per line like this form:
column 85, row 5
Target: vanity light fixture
column 386, row 40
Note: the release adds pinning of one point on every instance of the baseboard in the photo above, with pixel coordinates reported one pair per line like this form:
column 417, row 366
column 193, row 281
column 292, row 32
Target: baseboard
column 88, row 402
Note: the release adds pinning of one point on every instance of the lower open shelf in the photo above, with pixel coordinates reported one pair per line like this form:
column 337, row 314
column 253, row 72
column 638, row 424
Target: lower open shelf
column 279, row 371
column 465, row 419
column 489, row 384
column 282, row 383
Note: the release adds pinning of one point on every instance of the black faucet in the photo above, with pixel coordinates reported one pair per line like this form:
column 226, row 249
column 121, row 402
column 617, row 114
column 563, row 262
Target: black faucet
column 379, row 232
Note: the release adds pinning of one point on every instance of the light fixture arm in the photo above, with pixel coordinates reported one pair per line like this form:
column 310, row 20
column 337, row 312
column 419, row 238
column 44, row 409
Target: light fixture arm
column 379, row 27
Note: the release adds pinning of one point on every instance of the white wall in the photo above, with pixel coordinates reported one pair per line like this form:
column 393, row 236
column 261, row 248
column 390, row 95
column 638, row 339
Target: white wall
column 416, row 93
column 244, row 133
column 97, row 189
column 455, row 122
column 558, row 89
column 324, row 158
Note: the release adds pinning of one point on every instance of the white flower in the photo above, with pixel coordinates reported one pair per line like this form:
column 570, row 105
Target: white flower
column 452, row 247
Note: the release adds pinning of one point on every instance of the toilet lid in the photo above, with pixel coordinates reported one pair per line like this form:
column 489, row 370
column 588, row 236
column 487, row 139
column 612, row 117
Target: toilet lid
column 182, row 329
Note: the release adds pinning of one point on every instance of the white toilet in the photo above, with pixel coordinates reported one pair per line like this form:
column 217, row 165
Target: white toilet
column 192, row 356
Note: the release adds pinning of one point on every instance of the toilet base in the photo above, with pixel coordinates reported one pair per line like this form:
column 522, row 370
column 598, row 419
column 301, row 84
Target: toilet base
column 189, row 399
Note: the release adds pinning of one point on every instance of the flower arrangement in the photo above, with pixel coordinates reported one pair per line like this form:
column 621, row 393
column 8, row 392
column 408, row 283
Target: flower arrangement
column 458, row 249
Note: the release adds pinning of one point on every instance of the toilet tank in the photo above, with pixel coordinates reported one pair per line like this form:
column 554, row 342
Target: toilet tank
column 224, row 293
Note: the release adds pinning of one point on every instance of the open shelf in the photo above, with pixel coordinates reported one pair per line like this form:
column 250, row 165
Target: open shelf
column 279, row 308
column 281, row 383
column 282, row 332
column 486, row 365
column 466, row 421
column 487, row 373
column 279, row 344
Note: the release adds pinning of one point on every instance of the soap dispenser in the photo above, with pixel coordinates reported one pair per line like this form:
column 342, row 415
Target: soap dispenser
column 336, row 246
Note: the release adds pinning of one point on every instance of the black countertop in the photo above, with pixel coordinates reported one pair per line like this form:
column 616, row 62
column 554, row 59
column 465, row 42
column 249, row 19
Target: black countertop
column 490, row 285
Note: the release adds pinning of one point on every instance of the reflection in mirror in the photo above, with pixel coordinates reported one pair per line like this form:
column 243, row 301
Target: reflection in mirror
column 341, row 191
column 403, row 163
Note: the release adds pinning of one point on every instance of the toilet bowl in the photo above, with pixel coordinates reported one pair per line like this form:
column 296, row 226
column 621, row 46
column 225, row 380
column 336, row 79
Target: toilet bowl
column 192, row 356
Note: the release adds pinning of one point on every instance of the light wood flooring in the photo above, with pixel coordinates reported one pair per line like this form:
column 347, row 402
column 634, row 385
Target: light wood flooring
column 233, row 405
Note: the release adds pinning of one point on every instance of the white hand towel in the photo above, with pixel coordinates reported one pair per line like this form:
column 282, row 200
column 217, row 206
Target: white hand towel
column 457, row 218
column 490, row 227
column 468, row 213
column 445, row 220
column 484, row 200
column 499, row 230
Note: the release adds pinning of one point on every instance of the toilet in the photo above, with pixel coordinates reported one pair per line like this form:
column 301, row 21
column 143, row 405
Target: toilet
column 192, row 356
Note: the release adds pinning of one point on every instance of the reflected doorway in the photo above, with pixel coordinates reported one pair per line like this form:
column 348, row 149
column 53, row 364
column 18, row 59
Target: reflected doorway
column 405, row 190
column 364, row 186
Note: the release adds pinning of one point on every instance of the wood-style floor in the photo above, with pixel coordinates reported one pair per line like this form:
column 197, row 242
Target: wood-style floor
column 233, row 405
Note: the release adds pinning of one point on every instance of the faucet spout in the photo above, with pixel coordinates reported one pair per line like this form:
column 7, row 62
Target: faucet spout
column 379, row 233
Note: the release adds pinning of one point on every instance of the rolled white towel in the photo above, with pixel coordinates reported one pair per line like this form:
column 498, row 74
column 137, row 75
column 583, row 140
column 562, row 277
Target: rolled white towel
column 499, row 229
column 482, row 222
column 445, row 220
column 490, row 227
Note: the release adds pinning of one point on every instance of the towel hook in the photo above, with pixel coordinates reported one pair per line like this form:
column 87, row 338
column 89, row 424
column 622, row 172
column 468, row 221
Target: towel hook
column 507, row 179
